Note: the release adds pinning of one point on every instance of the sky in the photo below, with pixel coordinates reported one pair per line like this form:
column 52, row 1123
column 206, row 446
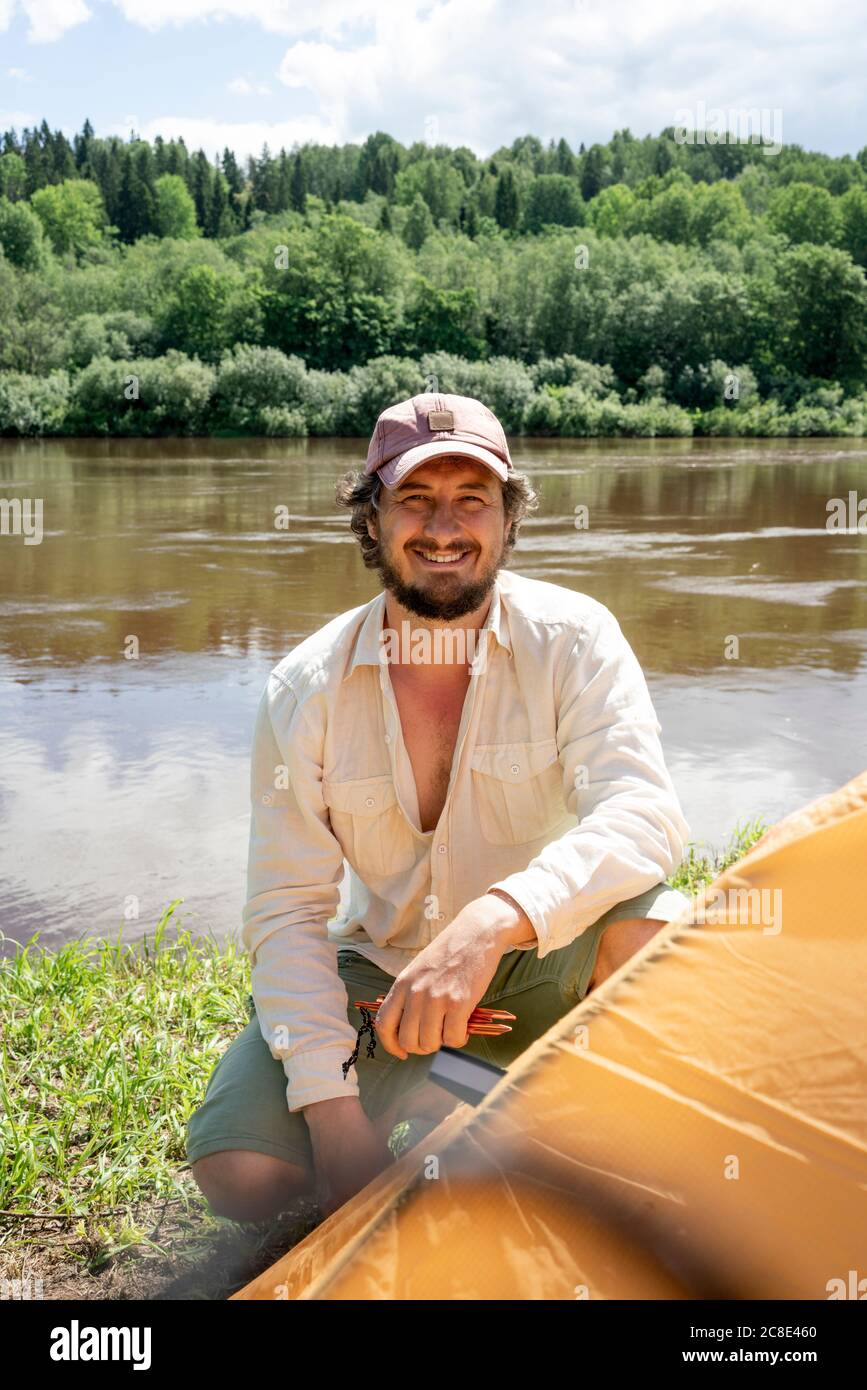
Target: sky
column 454, row 72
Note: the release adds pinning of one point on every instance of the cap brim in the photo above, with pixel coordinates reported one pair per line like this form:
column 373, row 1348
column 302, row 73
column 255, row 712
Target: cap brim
column 394, row 472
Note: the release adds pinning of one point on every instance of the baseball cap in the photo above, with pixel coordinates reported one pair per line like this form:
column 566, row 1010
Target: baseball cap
column 430, row 425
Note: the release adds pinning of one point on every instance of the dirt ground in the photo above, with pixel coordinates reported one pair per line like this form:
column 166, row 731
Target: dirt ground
column 185, row 1254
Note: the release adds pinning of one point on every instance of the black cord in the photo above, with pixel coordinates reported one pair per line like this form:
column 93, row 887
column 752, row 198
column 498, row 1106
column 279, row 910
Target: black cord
column 366, row 1027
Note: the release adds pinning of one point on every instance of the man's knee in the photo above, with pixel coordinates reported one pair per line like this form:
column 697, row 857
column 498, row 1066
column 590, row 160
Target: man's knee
column 247, row 1186
column 619, row 941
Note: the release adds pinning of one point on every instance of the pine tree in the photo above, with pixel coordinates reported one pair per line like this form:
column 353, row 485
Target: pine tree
column 283, row 183
column 506, row 200
column 135, row 215
column 35, row 162
column 81, row 145
column 232, row 173
column 222, row 221
column 264, row 181
column 565, row 161
column 298, row 186
column 202, row 189
column 61, row 159
column 592, row 172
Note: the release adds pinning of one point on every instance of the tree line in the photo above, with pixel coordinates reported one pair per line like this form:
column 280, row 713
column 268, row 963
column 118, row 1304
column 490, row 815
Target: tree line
column 716, row 288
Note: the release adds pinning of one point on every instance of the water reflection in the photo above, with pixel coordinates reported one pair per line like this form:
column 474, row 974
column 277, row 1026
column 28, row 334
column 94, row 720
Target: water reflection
column 127, row 779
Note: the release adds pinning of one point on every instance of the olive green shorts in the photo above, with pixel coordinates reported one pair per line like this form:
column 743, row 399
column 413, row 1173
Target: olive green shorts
column 245, row 1101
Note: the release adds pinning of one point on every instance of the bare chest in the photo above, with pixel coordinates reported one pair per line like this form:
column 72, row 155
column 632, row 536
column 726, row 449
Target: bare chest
column 430, row 724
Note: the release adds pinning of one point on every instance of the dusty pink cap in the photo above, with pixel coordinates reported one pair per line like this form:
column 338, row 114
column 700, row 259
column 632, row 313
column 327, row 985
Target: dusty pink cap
column 430, row 425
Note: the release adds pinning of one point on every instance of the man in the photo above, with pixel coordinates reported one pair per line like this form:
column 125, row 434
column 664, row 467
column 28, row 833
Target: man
column 482, row 750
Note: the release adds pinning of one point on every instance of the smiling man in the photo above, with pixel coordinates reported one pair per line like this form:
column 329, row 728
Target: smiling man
column 502, row 804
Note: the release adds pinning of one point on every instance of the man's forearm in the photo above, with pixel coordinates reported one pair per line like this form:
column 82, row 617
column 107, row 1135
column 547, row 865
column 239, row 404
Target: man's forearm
column 516, row 928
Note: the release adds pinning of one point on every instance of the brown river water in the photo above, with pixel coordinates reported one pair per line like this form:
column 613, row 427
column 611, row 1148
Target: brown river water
column 125, row 782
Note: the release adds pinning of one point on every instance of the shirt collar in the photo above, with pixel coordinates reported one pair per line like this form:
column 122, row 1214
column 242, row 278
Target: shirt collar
column 367, row 646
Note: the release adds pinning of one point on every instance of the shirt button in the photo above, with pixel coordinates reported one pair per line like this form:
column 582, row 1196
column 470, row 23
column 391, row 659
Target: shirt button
column 442, row 849
column 369, row 801
column 515, row 767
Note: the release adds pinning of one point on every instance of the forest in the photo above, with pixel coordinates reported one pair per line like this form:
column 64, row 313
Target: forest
column 643, row 287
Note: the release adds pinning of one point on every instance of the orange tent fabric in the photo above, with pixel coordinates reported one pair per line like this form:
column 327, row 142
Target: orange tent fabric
column 695, row 1128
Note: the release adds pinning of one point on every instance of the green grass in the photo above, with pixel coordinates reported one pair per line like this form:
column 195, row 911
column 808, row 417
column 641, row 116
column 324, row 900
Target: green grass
column 702, row 864
column 106, row 1050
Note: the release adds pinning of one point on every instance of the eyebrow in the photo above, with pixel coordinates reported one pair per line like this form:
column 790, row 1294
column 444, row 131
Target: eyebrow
column 409, row 485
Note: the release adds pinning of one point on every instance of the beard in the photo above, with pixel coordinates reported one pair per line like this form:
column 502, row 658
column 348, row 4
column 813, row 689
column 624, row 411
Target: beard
column 425, row 604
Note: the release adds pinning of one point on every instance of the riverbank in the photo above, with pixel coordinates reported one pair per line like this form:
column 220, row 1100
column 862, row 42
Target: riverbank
column 107, row 1050
column 256, row 391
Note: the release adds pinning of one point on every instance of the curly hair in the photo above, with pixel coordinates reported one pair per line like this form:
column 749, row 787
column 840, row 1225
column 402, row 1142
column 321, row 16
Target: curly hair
column 361, row 494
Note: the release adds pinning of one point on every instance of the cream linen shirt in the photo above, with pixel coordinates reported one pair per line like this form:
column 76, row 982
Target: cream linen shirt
column 558, row 795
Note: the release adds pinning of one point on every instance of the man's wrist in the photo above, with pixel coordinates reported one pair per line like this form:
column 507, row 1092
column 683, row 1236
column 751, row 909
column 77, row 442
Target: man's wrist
column 516, row 928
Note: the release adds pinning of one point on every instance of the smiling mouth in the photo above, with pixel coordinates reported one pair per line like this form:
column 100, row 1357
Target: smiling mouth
column 442, row 560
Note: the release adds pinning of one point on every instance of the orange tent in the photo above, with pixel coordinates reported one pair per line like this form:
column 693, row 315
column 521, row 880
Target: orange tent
column 696, row 1128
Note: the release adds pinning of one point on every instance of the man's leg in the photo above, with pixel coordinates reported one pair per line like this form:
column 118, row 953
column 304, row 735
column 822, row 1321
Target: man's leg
column 251, row 1155
column 247, row 1186
column 619, row 941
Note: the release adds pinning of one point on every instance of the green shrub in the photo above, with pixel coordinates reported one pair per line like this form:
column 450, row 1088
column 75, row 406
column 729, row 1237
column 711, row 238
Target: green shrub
column 120, row 334
column 542, row 415
column 280, row 420
column 252, row 379
column 22, row 239
column 33, row 404
column 156, row 395
column 596, row 378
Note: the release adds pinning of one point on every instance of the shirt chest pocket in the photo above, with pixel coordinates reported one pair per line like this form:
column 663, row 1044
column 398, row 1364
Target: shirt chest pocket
column 372, row 829
column 518, row 790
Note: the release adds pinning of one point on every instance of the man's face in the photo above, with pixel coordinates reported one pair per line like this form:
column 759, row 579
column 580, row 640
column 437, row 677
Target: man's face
column 442, row 535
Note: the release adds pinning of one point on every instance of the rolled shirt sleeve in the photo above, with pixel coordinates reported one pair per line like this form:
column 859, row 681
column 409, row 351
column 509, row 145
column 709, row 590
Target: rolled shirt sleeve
column 631, row 831
column 294, row 869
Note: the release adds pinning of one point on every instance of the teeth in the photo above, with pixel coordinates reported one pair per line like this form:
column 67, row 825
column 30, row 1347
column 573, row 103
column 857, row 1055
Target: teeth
column 442, row 559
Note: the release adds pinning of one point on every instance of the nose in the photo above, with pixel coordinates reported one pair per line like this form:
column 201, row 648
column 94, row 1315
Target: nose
column 443, row 526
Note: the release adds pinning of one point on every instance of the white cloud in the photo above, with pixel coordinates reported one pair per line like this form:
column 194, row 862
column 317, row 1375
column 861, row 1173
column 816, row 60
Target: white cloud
column 240, row 87
column 491, row 70
column 17, row 120
column 18, row 75
column 50, row 19
column 242, row 137
column 292, row 18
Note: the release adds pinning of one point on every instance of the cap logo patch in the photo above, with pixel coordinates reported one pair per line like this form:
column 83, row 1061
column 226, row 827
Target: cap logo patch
column 441, row 419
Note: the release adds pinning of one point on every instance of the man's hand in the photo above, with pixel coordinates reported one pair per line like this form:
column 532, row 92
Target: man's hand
column 430, row 1002
column 348, row 1150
